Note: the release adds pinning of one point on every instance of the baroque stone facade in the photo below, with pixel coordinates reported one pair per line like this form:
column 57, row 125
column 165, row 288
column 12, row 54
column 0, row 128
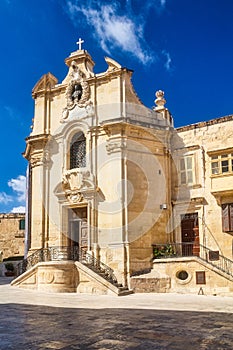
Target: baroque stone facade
column 118, row 182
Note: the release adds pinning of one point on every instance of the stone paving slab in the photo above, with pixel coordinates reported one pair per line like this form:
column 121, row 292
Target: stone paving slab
column 33, row 320
column 39, row 327
column 160, row 301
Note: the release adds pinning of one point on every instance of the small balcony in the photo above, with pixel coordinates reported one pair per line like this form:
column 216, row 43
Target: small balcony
column 175, row 250
column 221, row 186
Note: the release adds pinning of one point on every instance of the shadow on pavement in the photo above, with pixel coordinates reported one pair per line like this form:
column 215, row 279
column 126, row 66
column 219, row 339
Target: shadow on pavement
column 5, row 280
column 42, row 327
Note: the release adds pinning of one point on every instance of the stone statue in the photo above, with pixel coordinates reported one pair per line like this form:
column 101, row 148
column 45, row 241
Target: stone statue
column 76, row 95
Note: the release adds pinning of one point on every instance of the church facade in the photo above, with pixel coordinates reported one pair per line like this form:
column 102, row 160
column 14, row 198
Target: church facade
column 119, row 200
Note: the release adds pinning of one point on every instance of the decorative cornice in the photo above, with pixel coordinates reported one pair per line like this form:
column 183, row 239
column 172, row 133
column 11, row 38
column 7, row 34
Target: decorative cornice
column 220, row 150
column 35, row 145
column 187, row 148
column 206, row 123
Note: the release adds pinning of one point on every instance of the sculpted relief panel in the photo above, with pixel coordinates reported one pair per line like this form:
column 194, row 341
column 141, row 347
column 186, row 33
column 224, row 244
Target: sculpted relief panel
column 77, row 184
column 77, row 94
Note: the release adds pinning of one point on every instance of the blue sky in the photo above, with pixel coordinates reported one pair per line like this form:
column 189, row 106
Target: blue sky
column 183, row 47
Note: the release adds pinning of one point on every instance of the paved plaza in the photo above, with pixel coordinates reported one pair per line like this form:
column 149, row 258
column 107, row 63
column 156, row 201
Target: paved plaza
column 36, row 320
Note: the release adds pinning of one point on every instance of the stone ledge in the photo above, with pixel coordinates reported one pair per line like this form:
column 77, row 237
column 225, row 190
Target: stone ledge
column 206, row 123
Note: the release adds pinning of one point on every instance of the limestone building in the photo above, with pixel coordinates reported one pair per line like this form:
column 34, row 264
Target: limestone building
column 12, row 231
column 119, row 199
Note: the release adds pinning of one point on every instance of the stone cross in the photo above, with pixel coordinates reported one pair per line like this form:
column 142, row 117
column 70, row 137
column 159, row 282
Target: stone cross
column 79, row 43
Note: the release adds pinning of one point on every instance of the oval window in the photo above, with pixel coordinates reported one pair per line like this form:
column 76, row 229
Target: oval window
column 182, row 275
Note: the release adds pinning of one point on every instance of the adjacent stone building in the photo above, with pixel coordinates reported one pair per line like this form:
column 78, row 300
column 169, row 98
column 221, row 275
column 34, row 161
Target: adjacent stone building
column 119, row 199
column 12, row 230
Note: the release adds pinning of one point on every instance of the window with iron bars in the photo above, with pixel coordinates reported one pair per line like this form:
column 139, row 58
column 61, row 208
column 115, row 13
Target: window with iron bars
column 78, row 151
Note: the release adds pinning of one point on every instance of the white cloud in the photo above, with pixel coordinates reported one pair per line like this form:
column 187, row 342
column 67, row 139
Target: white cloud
column 4, row 198
column 168, row 59
column 19, row 209
column 113, row 30
column 19, row 186
column 10, row 111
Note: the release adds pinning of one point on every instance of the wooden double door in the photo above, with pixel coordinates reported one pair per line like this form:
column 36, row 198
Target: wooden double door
column 78, row 228
column 188, row 223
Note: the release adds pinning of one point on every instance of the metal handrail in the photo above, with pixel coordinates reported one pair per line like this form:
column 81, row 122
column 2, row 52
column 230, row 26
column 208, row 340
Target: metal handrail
column 97, row 266
column 64, row 253
column 190, row 249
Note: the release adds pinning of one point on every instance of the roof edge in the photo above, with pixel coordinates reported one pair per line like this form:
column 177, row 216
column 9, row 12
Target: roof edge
column 206, row 123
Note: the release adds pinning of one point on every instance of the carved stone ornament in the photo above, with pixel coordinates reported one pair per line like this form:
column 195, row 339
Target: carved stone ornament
column 115, row 145
column 77, row 92
column 75, row 197
column 77, row 184
column 76, row 179
column 39, row 158
column 160, row 100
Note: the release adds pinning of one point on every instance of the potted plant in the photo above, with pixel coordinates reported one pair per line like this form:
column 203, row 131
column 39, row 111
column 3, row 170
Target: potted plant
column 9, row 269
column 163, row 251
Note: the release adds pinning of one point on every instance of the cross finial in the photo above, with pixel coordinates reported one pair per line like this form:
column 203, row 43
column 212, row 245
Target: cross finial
column 79, row 43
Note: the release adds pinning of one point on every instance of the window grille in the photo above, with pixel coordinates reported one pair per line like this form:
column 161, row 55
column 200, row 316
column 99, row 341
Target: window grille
column 78, row 151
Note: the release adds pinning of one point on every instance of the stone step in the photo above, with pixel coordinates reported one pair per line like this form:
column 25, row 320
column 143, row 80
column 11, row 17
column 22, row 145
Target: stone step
column 124, row 292
column 122, row 288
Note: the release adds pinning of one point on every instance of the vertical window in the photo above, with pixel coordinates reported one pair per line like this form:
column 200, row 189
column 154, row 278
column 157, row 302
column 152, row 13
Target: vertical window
column 224, row 163
column 22, row 224
column 78, row 151
column 200, row 277
column 186, row 170
column 214, row 165
column 227, row 217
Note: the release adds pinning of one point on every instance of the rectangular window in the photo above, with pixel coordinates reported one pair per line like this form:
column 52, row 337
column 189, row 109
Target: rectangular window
column 186, row 170
column 227, row 217
column 22, row 224
column 200, row 277
column 215, row 168
column 222, row 164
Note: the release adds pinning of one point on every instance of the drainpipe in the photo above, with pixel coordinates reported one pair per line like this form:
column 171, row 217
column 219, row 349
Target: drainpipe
column 203, row 175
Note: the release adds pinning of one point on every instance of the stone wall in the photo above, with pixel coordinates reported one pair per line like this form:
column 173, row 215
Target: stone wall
column 11, row 235
column 183, row 275
column 208, row 191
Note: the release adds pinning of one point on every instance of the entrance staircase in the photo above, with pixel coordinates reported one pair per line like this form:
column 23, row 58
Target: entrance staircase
column 87, row 264
column 186, row 268
column 212, row 259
